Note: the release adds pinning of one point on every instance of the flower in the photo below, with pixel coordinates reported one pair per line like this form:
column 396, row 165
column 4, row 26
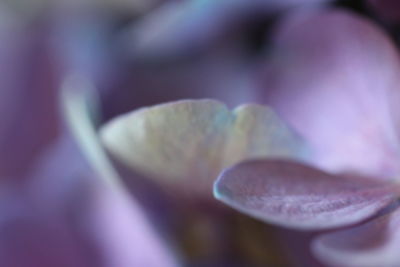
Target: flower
column 341, row 102
column 345, row 117
column 65, row 204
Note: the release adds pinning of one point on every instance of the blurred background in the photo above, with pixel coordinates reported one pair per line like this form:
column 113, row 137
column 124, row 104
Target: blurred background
column 56, row 207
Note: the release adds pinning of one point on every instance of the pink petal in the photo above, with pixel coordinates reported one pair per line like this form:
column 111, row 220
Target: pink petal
column 293, row 195
column 375, row 243
column 332, row 75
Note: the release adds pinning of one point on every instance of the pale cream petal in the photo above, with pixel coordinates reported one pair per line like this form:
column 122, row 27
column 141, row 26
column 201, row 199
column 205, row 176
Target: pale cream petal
column 187, row 143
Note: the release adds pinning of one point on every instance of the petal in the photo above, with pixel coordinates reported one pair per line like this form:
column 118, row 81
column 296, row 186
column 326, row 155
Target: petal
column 187, row 143
column 185, row 28
column 39, row 233
column 67, row 214
column 118, row 225
column 331, row 75
column 196, row 49
column 375, row 243
column 79, row 218
column 35, row 241
column 28, row 112
column 223, row 74
column 297, row 196
column 124, row 235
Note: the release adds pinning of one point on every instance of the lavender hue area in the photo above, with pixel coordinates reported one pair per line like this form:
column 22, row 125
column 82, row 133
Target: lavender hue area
column 230, row 133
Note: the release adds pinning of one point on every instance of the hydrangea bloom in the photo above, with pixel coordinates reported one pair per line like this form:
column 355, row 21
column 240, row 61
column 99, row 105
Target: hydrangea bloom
column 351, row 123
column 338, row 95
column 321, row 155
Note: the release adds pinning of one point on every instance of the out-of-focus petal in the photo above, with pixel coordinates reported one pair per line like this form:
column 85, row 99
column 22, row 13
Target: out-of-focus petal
column 37, row 232
column 332, row 74
column 79, row 218
column 187, row 143
column 223, row 74
column 117, row 225
column 182, row 28
column 34, row 9
column 67, row 214
column 196, row 49
column 28, row 113
column 31, row 240
column 124, row 236
column 375, row 243
column 297, row 196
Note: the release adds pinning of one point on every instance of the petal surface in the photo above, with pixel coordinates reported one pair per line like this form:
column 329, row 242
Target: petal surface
column 332, row 76
column 187, row 143
column 80, row 218
column 69, row 214
column 179, row 29
column 296, row 196
column 375, row 243
column 124, row 235
column 28, row 112
column 196, row 49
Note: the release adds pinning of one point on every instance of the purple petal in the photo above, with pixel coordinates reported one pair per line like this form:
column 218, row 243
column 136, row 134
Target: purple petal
column 184, row 28
column 39, row 242
column 124, row 235
column 375, row 243
column 28, row 112
column 293, row 195
column 32, row 235
column 223, row 74
column 196, row 49
column 332, row 74
column 65, row 215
